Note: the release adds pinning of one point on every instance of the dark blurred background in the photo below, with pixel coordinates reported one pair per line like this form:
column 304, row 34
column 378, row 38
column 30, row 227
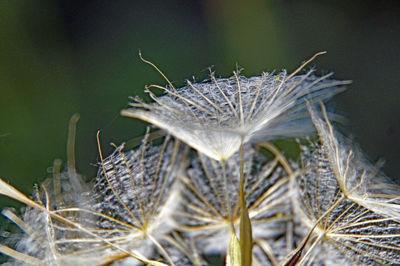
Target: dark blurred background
column 59, row 57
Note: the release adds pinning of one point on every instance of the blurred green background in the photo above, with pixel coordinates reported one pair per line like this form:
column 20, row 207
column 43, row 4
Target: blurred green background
column 58, row 58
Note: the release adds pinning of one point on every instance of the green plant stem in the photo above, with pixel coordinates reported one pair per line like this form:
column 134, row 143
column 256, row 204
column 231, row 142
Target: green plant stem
column 227, row 201
column 246, row 239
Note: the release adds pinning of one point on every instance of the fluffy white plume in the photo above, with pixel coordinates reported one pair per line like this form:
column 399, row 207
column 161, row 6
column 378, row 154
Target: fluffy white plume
column 216, row 116
column 211, row 202
column 350, row 208
column 123, row 219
